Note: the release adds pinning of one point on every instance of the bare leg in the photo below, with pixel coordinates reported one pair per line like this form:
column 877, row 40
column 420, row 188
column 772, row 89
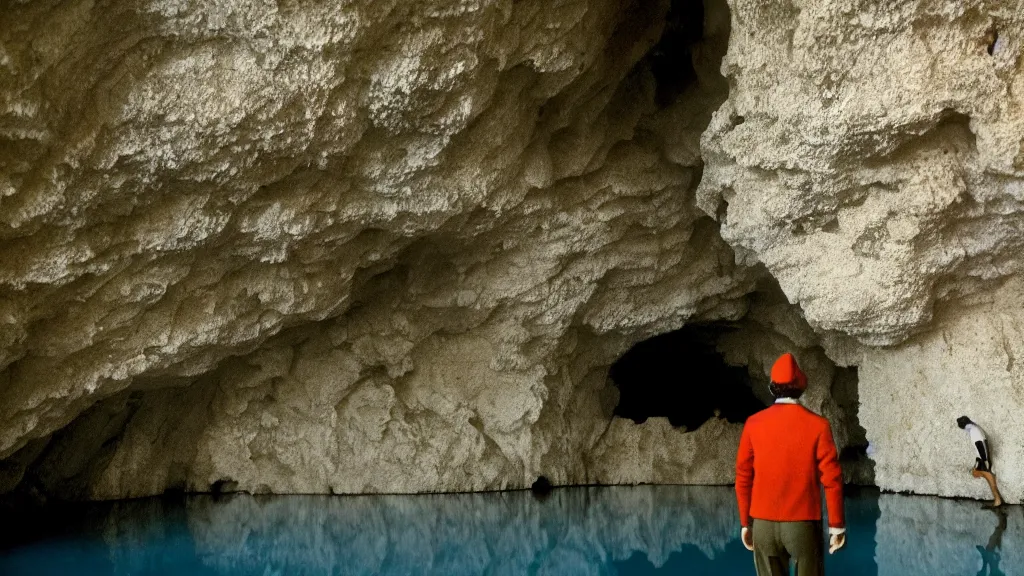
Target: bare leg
column 991, row 479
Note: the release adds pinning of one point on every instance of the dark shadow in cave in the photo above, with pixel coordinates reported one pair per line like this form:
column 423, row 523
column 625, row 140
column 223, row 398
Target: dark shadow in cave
column 541, row 488
column 858, row 468
column 671, row 59
column 681, row 376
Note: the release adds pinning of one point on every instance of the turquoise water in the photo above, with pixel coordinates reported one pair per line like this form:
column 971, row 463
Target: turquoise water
column 644, row 530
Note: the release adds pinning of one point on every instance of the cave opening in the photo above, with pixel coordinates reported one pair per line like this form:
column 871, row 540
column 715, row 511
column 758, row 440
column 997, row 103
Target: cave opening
column 671, row 59
column 541, row 488
column 681, row 376
column 857, row 465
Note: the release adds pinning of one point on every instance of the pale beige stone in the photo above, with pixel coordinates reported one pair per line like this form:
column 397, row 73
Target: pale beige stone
column 912, row 395
column 373, row 247
column 870, row 155
column 395, row 246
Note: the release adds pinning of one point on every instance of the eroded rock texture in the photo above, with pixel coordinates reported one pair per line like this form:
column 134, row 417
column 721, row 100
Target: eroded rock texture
column 360, row 248
column 870, row 156
column 395, row 246
column 967, row 365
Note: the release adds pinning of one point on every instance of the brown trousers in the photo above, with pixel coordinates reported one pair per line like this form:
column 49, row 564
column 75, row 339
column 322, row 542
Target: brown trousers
column 775, row 543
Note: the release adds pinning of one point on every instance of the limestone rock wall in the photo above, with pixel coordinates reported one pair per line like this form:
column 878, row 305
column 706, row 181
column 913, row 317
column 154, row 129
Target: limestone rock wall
column 870, row 155
column 967, row 365
column 870, row 158
column 376, row 248
column 395, row 246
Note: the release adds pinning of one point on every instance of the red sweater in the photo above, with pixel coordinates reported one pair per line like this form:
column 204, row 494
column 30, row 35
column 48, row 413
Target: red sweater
column 786, row 455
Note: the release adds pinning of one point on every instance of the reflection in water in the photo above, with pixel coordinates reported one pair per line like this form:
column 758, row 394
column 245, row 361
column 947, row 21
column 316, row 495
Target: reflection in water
column 918, row 535
column 571, row 532
column 990, row 552
column 644, row 530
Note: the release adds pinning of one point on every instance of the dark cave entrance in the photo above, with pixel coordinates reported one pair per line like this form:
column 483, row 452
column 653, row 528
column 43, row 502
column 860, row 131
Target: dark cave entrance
column 681, row 376
column 671, row 59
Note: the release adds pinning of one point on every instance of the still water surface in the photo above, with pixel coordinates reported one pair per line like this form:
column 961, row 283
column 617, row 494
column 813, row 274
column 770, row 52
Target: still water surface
column 644, row 530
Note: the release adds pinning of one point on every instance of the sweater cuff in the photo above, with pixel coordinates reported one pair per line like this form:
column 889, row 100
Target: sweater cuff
column 836, row 531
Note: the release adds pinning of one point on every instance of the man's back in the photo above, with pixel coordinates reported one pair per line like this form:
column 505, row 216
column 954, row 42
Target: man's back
column 786, row 454
column 793, row 453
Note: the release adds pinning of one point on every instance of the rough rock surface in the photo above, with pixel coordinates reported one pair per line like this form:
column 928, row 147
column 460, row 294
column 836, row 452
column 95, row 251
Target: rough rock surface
column 372, row 248
column 870, row 156
column 968, row 364
column 395, row 246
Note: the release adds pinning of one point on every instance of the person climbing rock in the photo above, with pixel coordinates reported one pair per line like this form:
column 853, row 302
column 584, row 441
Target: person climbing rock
column 983, row 463
column 786, row 456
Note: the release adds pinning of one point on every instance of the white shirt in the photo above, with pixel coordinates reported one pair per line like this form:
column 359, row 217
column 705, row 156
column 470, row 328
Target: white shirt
column 976, row 433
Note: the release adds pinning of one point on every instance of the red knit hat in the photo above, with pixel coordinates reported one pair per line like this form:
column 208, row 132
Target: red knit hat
column 785, row 372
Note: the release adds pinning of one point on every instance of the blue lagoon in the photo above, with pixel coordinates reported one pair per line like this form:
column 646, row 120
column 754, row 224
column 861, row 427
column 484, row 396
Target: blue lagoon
column 643, row 530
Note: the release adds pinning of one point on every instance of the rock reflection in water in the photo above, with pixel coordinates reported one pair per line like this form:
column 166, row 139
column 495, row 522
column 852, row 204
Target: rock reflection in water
column 940, row 536
column 633, row 531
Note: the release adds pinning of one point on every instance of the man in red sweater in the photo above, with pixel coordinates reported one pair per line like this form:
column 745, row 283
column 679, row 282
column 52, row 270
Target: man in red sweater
column 786, row 455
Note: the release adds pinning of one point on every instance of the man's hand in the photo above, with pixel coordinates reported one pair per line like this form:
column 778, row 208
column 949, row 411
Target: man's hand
column 748, row 538
column 835, row 542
